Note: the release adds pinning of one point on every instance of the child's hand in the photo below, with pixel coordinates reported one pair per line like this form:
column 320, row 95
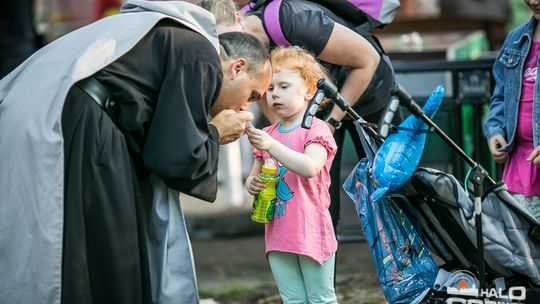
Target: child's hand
column 254, row 185
column 495, row 143
column 535, row 156
column 259, row 138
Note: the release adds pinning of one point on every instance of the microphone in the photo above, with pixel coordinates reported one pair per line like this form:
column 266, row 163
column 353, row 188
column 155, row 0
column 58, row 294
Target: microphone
column 312, row 109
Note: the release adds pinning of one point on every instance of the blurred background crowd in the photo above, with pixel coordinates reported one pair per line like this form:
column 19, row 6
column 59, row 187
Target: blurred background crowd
column 27, row 25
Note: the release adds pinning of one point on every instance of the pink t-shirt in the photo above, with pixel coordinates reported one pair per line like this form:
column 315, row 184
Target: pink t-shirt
column 520, row 175
column 302, row 222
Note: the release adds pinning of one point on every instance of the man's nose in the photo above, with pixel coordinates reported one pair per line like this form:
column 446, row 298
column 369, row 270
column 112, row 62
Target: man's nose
column 245, row 107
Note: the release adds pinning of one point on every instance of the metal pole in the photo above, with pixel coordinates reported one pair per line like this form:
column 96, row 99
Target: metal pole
column 477, row 179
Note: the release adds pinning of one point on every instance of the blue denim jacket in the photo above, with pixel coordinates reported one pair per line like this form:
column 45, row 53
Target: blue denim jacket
column 508, row 73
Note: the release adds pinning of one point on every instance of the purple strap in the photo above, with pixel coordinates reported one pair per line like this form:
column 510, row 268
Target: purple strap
column 246, row 8
column 271, row 21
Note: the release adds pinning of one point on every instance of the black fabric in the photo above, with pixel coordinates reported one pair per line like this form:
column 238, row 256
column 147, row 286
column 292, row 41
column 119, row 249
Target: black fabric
column 162, row 91
column 165, row 124
column 103, row 259
column 377, row 94
column 307, row 24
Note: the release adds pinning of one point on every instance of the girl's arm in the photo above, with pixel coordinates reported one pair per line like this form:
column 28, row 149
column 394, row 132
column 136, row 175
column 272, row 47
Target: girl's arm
column 307, row 164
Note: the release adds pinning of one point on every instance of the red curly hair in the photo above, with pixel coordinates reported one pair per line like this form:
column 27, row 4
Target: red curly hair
column 298, row 60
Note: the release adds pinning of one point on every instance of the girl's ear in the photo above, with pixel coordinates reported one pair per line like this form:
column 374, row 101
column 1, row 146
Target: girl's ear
column 309, row 96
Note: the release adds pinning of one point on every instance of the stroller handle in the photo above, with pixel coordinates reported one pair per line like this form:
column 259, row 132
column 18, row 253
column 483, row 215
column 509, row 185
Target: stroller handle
column 331, row 91
column 385, row 123
column 328, row 89
column 406, row 100
column 312, row 109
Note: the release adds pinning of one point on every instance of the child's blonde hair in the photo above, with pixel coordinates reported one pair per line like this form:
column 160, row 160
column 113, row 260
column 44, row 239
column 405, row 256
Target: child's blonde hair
column 298, row 60
column 223, row 10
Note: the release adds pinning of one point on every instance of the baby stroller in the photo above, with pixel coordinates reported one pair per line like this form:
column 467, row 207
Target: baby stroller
column 496, row 260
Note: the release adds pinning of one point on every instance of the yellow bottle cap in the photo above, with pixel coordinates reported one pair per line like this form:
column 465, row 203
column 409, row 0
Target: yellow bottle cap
column 269, row 167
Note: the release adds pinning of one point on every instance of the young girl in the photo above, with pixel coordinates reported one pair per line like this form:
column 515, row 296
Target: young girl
column 512, row 127
column 300, row 241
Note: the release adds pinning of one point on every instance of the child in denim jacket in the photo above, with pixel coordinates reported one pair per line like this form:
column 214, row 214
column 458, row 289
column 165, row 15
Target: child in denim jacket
column 513, row 124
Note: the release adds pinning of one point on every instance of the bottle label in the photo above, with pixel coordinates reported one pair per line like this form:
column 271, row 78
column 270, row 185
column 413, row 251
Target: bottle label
column 264, row 208
column 264, row 203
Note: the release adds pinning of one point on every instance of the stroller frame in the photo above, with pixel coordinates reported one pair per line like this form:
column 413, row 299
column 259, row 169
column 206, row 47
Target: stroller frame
column 477, row 177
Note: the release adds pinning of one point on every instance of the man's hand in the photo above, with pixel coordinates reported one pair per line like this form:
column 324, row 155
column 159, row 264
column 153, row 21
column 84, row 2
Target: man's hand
column 259, row 138
column 231, row 124
column 495, row 143
column 535, row 156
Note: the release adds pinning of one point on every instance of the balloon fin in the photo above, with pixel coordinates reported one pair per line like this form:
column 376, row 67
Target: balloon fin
column 378, row 194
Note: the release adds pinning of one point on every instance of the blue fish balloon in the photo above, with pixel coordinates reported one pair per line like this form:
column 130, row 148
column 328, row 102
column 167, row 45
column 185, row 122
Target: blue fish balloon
column 397, row 158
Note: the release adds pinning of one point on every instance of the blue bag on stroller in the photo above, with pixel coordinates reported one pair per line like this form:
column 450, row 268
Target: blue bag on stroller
column 405, row 267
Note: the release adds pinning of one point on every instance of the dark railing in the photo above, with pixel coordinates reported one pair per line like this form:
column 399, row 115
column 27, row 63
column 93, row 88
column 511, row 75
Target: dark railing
column 471, row 83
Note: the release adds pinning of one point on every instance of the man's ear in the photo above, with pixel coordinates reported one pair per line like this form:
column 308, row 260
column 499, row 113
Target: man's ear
column 237, row 67
column 239, row 19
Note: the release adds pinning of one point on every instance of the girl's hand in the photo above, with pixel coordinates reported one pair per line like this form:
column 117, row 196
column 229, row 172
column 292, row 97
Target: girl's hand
column 259, row 139
column 495, row 143
column 254, row 185
column 535, row 156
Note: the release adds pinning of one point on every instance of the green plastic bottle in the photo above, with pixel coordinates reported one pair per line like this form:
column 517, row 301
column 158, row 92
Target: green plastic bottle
column 264, row 203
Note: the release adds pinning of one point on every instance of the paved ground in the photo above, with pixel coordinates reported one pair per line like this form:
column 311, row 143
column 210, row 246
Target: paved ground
column 233, row 270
